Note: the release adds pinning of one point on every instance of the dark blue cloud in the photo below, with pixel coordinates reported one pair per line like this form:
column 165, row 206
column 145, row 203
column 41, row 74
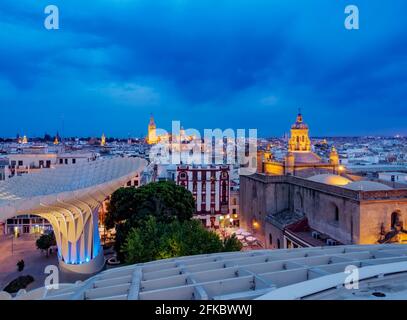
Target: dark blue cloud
column 238, row 64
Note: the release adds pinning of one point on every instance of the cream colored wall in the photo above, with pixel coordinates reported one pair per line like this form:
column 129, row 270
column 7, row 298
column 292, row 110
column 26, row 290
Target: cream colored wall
column 273, row 168
column 374, row 213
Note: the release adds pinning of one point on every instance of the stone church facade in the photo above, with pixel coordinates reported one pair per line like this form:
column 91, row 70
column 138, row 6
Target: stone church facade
column 305, row 201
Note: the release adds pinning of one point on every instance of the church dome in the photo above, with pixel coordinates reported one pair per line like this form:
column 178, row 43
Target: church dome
column 364, row 185
column 299, row 124
column 330, row 179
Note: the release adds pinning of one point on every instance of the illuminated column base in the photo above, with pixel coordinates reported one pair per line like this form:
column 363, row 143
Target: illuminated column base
column 91, row 267
column 77, row 236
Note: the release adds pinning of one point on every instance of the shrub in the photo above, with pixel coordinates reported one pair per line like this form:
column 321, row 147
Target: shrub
column 20, row 283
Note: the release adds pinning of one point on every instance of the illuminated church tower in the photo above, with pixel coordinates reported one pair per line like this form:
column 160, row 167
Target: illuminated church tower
column 152, row 135
column 299, row 160
column 56, row 140
column 299, row 140
column 103, row 141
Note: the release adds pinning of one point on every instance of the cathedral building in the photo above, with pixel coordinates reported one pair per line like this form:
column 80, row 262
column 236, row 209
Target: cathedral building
column 299, row 160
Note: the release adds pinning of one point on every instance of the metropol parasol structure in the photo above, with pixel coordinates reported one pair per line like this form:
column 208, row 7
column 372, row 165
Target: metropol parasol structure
column 69, row 197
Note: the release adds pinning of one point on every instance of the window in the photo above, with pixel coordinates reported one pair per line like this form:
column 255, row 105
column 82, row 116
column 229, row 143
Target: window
column 234, row 211
column 395, row 220
column 61, row 161
column 270, row 239
column 336, row 214
column 234, row 201
column 41, row 163
column 20, row 162
column 66, row 161
column 73, row 161
column 278, row 243
column 48, row 164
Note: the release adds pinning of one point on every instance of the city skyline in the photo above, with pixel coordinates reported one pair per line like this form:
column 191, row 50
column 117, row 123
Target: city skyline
column 110, row 65
column 50, row 136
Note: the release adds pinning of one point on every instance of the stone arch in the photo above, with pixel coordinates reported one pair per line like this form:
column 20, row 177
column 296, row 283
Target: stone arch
column 396, row 220
column 334, row 212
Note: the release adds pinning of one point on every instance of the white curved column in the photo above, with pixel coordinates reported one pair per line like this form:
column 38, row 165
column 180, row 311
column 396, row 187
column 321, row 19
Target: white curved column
column 77, row 237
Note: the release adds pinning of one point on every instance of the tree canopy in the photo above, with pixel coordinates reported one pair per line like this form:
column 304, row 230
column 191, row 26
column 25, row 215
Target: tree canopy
column 130, row 207
column 164, row 200
column 154, row 240
column 154, row 222
column 46, row 241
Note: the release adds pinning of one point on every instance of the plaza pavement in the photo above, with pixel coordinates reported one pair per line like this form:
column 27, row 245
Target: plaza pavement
column 13, row 250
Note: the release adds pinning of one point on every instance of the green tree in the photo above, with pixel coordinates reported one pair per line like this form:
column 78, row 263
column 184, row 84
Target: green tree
column 46, row 241
column 155, row 240
column 131, row 207
column 231, row 244
column 164, row 200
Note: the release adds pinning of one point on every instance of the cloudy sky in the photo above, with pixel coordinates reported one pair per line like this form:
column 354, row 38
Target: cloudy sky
column 208, row 63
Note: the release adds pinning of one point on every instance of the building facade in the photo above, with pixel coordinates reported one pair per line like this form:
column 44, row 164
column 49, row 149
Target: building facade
column 287, row 211
column 305, row 201
column 34, row 159
column 396, row 177
column 210, row 187
column 26, row 224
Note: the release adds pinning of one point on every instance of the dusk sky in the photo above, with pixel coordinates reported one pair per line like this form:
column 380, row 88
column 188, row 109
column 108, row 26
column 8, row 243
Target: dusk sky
column 210, row 64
